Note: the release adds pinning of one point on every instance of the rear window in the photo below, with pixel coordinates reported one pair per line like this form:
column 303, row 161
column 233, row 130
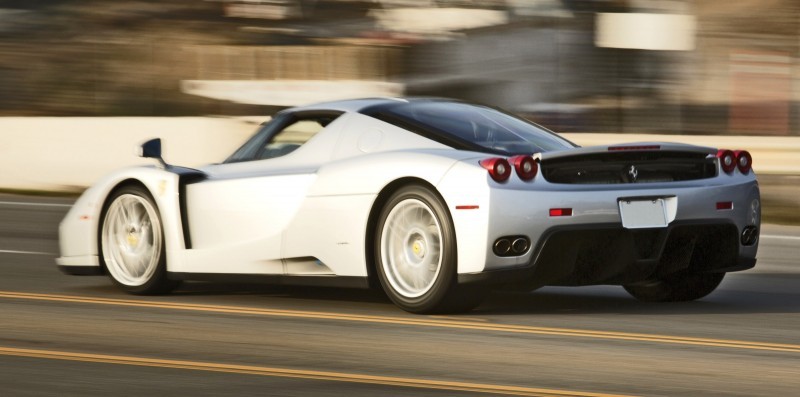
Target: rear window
column 472, row 127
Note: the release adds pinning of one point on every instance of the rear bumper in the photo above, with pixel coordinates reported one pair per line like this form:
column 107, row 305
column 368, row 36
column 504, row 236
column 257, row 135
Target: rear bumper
column 572, row 255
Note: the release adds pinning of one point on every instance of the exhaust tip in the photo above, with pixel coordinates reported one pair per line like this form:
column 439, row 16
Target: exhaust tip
column 502, row 246
column 511, row 245
column 749, row 235
column 520, row 245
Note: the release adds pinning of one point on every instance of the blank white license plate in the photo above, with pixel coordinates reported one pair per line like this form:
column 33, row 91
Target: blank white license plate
column 642, row 214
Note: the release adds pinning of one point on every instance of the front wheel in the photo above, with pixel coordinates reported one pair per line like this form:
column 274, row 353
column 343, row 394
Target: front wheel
column 679, row 287
column 132, row 243
column 415, row 253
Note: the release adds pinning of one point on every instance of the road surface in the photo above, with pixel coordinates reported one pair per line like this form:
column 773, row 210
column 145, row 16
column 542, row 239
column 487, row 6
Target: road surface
column 80, row 336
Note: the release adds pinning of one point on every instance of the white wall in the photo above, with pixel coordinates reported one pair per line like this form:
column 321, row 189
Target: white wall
column 70, row 153
column 660, row 32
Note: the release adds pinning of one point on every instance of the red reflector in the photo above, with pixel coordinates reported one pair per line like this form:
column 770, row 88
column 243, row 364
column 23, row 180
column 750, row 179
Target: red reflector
column 642, row 147
column 560, row 211
column 725, row 205
column 466, row 207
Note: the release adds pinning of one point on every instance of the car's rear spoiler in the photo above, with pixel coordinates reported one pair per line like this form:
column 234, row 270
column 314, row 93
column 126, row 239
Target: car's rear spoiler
column 626, row 147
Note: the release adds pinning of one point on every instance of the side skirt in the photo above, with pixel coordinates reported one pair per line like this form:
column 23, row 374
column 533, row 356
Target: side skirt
column 81, row 270
column 277, row 279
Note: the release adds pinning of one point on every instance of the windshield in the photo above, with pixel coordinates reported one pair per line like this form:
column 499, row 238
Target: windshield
column 474, row 125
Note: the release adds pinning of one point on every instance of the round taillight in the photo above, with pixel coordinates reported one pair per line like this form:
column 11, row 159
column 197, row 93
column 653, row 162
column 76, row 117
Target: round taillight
column 744, row 161
column 727, row 160
column 499, row 168
column 526, row 167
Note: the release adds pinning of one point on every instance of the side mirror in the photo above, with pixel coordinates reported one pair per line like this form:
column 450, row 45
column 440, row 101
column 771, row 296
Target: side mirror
column 152, row 150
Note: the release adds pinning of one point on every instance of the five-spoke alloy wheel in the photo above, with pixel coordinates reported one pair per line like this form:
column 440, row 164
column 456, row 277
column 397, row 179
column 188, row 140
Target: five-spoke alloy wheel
column 415, row 252
column 411, row 248
column 132, row 242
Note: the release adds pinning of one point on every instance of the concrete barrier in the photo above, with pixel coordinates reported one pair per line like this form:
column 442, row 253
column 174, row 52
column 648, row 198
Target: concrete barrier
column 68, row 154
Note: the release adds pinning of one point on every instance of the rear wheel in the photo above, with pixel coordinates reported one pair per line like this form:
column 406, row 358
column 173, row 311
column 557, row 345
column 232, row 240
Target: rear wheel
column 415, row 253
column 132, row 243
column 679, row 287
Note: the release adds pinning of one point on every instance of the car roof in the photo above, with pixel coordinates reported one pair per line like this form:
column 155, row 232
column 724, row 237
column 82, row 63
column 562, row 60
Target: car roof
column 357, row 105
column 464, row 136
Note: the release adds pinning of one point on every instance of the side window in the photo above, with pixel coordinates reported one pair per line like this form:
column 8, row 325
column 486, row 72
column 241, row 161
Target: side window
column 291, row 137
column 281, row 136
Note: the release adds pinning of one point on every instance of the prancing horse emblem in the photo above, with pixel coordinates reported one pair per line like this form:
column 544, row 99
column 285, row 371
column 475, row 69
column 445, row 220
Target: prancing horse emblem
column 633, row 172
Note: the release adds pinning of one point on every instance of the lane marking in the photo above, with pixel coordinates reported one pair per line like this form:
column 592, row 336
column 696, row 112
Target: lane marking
column 779, row 237
column 34, row 204
column 421, row 321
column 297, row 373
column 25, row 252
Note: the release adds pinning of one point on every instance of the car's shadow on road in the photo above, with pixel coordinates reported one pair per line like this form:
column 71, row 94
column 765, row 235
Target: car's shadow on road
column 283, row 292
column 739, row 294
column 743, row 293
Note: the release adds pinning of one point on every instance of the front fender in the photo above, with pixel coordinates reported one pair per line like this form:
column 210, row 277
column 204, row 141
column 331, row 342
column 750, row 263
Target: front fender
column 78, row 231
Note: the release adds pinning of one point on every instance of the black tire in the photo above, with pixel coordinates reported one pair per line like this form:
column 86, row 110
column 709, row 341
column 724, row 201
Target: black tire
column 395, row 250
column 130, row 221
column 680, row 287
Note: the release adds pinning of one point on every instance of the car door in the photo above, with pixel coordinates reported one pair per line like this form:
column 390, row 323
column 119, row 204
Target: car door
column 236, row 217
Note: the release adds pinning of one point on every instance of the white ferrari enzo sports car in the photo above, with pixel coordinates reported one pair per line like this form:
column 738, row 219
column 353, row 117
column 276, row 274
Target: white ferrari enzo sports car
column 434, row 200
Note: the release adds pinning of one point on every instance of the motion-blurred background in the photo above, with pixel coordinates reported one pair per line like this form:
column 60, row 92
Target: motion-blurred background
column 667, row 66
column 615, row 66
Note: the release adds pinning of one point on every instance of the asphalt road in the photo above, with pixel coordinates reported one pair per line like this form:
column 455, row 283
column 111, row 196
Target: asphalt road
column 65, row 335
